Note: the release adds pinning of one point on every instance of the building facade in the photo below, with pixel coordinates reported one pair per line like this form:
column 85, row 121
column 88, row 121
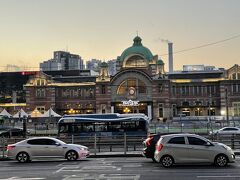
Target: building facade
column 62, row 61
column 140, row 85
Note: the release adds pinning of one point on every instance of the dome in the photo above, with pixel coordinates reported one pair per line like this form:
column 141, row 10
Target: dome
column 160, row 62
column 137, row 48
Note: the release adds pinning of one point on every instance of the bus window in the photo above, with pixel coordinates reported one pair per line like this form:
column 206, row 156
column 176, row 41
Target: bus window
column 88, row 127
column 63, row 128
column 77, row 128
column 114, row 126
column 101, row 127
column 129, row 126
column 141, row 125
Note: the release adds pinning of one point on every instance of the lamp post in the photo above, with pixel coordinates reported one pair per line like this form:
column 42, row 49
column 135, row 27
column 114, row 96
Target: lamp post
column 209, row 111
column 226, row 101
column 24, row 126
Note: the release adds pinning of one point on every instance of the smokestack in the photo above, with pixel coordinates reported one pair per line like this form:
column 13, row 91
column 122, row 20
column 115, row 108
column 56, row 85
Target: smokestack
column 170, row 57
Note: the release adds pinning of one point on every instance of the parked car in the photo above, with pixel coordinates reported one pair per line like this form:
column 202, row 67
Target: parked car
column 13, row 132
column 191, row 148
column 45, row 147
column 149, row 146
column 226, row 131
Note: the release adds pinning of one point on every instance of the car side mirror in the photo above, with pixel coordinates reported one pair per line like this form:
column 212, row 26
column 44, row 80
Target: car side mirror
column 208, row 144
column 57, row 144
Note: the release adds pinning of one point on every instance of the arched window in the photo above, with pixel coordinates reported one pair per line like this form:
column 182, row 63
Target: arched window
column 132, row 84
column 136, row 61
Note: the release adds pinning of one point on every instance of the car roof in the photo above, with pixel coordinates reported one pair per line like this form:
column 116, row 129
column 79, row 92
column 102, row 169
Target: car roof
column 42, row 137
column 180, row 134
column 230, row 127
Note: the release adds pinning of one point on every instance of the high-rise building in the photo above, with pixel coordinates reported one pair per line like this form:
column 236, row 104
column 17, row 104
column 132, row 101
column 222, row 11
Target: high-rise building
column 112, row 67
column 93, row 64
column 62, row 61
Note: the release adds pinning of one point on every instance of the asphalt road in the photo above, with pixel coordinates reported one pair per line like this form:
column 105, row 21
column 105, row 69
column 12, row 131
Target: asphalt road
column 112, row 168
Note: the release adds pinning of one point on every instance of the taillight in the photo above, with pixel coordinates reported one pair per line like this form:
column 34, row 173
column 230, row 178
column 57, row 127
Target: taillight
column 149, row 140
column 10, row 147
column 159, row 147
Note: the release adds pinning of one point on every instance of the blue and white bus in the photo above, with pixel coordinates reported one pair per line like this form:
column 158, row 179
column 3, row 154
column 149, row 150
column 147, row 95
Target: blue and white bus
column 103, row 124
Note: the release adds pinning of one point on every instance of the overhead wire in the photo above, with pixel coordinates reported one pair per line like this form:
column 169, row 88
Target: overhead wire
column 174, row 52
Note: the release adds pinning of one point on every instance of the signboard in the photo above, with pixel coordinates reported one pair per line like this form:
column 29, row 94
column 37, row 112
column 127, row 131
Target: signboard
column 130, row 103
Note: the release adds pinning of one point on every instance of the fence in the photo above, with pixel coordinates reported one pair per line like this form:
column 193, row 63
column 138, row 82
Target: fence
column 122, row 144
column 190, row 126
column 95, row 143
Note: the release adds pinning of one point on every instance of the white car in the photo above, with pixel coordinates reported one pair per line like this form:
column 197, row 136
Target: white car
column 226, row 131
column 45, row 147
column 191, row 148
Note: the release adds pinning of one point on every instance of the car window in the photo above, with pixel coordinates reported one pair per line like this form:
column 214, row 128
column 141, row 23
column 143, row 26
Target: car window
column 35, row 142
column 232, row 129
column 196, row 141
column 41, row 142
column 177, row 140
column 50, row 142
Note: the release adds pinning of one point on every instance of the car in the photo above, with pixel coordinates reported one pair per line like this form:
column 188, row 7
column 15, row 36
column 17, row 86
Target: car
column 149, row 146
column 45, row 147
column 226, row 131
column 190, row 149
column 8, row 132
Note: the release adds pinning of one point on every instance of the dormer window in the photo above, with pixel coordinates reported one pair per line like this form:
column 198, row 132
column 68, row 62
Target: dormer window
column 136, row 61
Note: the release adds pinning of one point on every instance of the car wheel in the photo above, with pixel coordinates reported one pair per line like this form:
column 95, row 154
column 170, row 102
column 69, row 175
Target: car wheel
column 72, row 156
column 23, row 157
column 221, row 160
column 167, row 161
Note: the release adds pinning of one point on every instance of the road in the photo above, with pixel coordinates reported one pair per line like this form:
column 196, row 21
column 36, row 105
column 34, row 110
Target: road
column 129, row 168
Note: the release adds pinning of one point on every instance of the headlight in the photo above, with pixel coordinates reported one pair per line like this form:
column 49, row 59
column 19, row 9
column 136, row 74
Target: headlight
column 83, row 148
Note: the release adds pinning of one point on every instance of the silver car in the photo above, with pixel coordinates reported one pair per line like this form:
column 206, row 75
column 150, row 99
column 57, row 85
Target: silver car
column 226, row 131
column 45, row 147
column 191, row 148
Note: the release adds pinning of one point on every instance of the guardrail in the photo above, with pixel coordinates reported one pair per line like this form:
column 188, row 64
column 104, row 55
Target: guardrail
column 123, row 143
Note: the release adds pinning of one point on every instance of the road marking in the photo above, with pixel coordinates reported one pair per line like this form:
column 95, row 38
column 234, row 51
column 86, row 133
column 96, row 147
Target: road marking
column 80, row 177
column 132, row 165
column 18, row 178
column 120, row 176
column 88, row 168
column 218, row 176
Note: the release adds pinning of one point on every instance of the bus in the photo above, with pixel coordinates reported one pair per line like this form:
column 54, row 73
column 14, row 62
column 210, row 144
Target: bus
column 103, row 125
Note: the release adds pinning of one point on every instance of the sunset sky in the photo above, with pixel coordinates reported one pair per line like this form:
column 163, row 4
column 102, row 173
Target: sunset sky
column 30, row 30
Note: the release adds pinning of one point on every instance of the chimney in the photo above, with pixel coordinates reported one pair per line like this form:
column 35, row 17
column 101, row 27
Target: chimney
column 170, row 57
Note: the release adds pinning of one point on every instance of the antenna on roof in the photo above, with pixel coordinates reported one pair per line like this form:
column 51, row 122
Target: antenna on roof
column 137, row 32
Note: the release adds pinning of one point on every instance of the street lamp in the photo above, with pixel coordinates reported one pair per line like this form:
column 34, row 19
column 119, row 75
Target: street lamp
column 209, row 111
column 226, row 101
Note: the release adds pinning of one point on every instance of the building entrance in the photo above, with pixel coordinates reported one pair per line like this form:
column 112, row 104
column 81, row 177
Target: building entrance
column 134, row 108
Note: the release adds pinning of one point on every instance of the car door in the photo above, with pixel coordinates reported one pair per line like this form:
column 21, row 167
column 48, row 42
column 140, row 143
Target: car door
column 200, row 150
column 177, row 148
column 36, row 147
column 53, row 148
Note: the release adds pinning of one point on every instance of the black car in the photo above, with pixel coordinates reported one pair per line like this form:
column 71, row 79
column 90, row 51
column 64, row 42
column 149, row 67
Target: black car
column 12, row 132
column 149, row 146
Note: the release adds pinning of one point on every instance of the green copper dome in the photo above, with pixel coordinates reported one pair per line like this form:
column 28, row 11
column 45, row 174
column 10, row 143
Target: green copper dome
column 160, row 62
column 137, row 48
